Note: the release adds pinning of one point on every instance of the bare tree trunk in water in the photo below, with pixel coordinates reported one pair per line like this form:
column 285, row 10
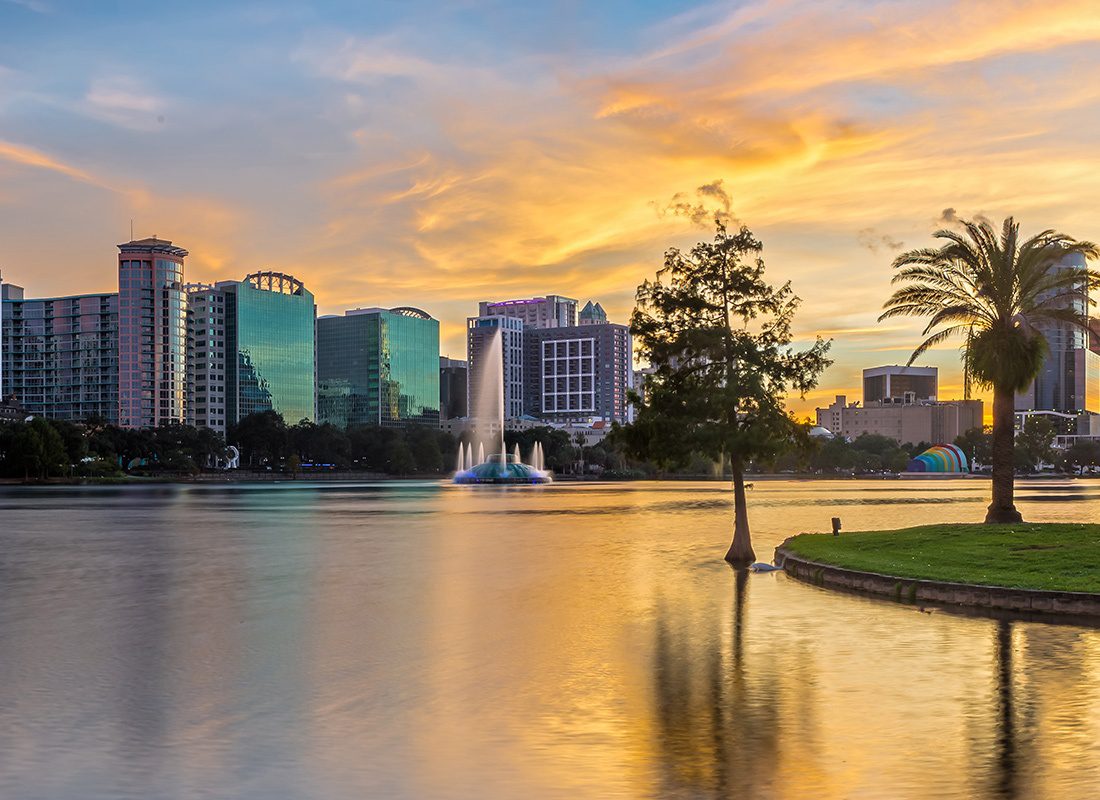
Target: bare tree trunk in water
column 1002, row 509
column 740, row 553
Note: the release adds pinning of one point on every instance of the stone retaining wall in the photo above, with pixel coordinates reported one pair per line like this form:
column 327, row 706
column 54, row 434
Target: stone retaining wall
column 912, row 590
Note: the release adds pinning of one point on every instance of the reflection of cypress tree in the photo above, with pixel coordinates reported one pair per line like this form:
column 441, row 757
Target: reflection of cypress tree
column 254, row 392
column 717, row 728
column 1005, row 767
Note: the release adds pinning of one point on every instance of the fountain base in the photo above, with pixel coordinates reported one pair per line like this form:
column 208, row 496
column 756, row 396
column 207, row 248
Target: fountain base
column 502, row 469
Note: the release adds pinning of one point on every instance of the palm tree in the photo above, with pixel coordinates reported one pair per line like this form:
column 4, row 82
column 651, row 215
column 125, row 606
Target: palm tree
column 1004, row 290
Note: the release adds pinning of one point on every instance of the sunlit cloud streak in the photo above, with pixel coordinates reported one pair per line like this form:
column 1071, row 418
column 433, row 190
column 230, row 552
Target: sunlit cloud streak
column 410, row 161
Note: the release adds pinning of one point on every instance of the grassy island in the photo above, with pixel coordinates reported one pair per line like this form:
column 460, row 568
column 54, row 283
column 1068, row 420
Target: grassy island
column 1060, row 557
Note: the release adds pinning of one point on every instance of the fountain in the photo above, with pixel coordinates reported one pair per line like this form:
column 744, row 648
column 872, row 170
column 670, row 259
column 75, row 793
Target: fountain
column 500, row 466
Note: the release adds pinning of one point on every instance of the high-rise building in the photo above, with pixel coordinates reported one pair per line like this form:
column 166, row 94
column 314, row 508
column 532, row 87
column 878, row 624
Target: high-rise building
column 152, row 331
column 452, row 388
column 481, row 335
column 551, row 311
column 270, row 337
column 592, row 314
column 1070, row 378
column 3, row 341
column 899, row 384
column 641, row 378
column 378, row 366
column 60, row 354
column 206, row 357
column 576, row 373
column 251, row 349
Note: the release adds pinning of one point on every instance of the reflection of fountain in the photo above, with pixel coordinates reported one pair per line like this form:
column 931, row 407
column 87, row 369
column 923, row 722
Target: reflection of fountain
column 499, row 467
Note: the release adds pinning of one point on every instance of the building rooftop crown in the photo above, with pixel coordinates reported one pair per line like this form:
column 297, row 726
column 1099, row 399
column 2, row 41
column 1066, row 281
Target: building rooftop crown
column 278, row 282
column 151, row 244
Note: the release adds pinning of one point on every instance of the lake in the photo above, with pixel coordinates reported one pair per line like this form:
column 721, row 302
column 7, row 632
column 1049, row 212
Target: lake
column 422, row 640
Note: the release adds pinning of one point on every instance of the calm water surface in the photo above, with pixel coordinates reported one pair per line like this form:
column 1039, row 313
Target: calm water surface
column 430, row 641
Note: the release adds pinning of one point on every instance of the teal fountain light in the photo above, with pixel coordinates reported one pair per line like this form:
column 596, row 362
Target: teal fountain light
column 502, row 468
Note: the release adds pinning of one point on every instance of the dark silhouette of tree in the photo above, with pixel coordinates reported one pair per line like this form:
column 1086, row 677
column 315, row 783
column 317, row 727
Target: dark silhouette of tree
column 719, row 339
column 1082, row 454
column 34, row 449
column 262, row 438
column 977, row 443
column 1035, row 444
column 424, row 448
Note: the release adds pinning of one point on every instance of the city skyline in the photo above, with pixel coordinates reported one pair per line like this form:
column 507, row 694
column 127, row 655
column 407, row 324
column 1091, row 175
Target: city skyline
column 485, row 152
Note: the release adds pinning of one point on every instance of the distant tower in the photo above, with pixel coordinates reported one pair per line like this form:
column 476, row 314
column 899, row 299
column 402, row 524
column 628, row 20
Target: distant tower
column 1069, row 379
column 152, row 331
column 593, row 314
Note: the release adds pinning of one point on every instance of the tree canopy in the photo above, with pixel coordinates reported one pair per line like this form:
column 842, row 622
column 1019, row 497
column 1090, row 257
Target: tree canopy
column 999, row 293
column 718, row 337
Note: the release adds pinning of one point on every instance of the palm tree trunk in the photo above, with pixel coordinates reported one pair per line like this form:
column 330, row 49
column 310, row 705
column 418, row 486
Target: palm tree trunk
column 740, row 553
column 1002, row 509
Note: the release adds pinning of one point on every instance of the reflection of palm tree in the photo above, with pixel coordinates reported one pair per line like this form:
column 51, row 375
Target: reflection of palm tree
column 1006, row 767
column 717, row 730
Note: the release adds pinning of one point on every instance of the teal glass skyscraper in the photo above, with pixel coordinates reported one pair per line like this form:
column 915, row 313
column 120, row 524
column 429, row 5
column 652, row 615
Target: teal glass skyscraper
column 378, row 366
column 251, row 349
column 269, row 322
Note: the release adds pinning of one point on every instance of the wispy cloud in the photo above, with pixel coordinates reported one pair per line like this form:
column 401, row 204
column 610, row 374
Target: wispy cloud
column 29, row 157
column 124, row 101
column 37, row 6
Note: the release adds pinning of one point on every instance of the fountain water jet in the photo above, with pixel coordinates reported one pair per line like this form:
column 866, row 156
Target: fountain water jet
column 499, row 466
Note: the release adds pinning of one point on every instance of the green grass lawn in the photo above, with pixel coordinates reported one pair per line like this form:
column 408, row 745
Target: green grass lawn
column 1039, row 556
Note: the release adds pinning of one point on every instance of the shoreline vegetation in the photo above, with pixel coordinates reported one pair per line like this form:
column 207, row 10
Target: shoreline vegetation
column 378, row 477
column 1048, row 557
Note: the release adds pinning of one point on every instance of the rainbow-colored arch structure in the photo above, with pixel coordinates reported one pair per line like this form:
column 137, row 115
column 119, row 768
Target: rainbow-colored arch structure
column 941, row 458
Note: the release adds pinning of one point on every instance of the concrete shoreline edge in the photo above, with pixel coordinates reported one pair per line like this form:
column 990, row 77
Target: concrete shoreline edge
column 918, row 590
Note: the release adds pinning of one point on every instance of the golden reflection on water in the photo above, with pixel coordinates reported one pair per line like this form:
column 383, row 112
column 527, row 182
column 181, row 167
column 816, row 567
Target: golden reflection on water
column 567, row 641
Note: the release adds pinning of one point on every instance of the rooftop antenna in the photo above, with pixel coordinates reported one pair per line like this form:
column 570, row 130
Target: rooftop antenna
column 131, row 229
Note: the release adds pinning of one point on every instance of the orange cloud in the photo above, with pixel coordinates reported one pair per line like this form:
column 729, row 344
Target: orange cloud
column 537, row 174
column 29, row 157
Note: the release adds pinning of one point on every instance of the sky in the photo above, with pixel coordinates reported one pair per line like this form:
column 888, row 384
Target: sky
column 438, row 154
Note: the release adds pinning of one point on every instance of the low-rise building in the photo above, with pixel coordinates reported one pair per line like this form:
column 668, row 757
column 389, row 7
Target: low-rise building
column 900, row 384
column 906, row 423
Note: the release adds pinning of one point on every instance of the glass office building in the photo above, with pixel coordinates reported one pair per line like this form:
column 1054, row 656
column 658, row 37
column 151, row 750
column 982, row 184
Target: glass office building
column 250, row 349
column 269, row 347
column 378, row 366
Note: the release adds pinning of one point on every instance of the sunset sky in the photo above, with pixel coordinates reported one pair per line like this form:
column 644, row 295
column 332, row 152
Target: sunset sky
column 437, row 154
